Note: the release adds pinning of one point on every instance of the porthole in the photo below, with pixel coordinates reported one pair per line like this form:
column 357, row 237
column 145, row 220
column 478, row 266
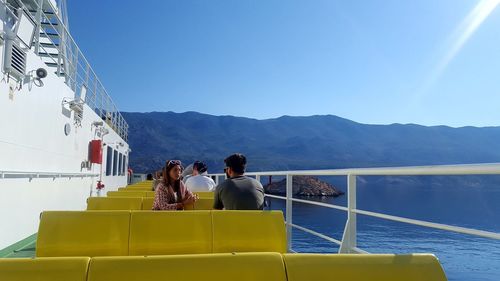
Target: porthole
column 67, row 129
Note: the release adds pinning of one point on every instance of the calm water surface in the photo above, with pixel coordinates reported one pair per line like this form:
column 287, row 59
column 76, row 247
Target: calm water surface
column 463, row 257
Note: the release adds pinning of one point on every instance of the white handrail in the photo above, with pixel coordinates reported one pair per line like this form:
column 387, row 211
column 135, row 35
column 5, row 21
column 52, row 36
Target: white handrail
column 31, row 175
column 462, row 169
column 458, row 229
column 348, row 243
column 69, row 51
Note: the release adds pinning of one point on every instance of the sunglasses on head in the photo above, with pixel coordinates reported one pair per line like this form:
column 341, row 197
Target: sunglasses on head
column 174, row 162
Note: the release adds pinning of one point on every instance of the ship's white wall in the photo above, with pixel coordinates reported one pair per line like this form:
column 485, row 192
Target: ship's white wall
column 32, row 139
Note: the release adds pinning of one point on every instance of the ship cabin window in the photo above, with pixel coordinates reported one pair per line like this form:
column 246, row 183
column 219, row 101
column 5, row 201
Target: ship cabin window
column 120, row 163
column 109, row 161
column 115, row 162
column 124, row 168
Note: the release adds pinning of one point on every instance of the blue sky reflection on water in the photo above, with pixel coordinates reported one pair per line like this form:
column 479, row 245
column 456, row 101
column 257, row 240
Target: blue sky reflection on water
column 463, row 257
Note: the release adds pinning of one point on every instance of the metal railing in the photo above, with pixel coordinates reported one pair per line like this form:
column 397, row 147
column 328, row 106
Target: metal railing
column 38, row 175
column 348, row 244
column 54, row 43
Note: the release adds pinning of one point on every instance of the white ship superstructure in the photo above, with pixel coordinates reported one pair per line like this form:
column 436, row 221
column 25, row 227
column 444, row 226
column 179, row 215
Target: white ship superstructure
column 52, row 106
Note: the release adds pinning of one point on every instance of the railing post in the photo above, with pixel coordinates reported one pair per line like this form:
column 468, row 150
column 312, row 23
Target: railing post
column 257, row 178
column 289, row 205
column 38, row 26
column 349, row 237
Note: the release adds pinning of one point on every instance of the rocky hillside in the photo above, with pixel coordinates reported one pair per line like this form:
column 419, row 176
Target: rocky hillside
column 304, row 186
column 297, row 143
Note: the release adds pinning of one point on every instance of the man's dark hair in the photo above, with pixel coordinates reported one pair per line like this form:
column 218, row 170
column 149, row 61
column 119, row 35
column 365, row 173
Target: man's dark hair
column 149, row 177
column 199, row 166
column 237, row 162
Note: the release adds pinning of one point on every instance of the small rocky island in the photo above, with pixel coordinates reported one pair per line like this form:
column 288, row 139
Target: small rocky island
column 304, row 186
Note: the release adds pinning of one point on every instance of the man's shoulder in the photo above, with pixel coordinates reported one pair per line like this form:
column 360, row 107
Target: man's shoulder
column 188, row 180
column 252, row 180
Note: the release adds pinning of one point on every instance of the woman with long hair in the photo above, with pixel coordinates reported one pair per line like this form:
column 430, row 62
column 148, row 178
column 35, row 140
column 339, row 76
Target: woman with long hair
column 171, row 194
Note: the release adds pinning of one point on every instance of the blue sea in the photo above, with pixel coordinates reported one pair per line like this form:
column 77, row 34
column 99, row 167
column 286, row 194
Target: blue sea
column 465, row 201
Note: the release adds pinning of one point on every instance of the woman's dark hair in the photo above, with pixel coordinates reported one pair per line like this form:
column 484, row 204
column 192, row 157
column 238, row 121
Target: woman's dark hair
column 176, row 185
column 149, row 177
column 237, row 162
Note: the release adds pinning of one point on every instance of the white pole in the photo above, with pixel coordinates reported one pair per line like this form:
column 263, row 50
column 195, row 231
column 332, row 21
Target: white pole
column 289, row 204
column 349, row 237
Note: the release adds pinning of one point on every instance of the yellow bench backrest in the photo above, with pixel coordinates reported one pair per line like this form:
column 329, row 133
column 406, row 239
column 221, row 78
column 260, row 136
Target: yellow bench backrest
column 204, row 194
column 136, row 188
column 105, row 233
column 147, row 203
column 114, row 203
column 220, row 267
column 204, row 204
column 139, row 203
column 126, row 193
column 142, row 183
column 88, row 233
column 353, row 267
column 248, row 231
column 228, row 266
column 44, row 269
column 150, row 194
column 169, row 232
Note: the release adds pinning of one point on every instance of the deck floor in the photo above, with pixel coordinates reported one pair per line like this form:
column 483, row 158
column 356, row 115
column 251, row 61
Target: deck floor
column 22, row 249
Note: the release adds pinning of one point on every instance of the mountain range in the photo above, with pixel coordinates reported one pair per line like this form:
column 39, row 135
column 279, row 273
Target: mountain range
column 296, row 143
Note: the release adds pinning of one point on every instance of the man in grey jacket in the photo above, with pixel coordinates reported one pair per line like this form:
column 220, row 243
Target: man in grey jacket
column 238, row 192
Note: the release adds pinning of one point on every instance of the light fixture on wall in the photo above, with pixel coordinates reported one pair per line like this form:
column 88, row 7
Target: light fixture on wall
column 35, row 77
column 75, row 105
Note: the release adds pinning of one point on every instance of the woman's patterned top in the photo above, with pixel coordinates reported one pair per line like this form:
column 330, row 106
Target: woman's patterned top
column 165, row 198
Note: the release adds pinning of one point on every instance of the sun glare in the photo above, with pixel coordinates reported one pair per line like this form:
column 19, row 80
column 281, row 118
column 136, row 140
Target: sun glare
column 458, row 39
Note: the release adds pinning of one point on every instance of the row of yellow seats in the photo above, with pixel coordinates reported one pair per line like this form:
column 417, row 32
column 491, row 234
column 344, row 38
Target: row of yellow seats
column 137, row 188
column 139, row 203
column 134, row 193
column 147, row 193
column 228, row 267
column 141, row 183
column 121, row 233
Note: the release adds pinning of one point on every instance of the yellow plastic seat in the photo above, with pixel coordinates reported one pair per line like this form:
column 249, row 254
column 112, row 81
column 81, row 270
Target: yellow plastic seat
column 126, row 194
column 248, row 231
column 355, row 267
column 147, row 203
column 170, row 232
column 150, row 194
column 114, row 203
column 143, row 183
column 217, row 267
column 44, row 269
column 137, row 188
column 204, row 194
column 144, row 188
column 204, row 204
column 83, row 233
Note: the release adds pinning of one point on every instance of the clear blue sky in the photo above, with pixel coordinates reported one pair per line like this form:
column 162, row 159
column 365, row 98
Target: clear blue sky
column 428, row 62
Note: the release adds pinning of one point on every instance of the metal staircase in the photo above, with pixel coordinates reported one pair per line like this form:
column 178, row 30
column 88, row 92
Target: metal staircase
column 54, row 44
